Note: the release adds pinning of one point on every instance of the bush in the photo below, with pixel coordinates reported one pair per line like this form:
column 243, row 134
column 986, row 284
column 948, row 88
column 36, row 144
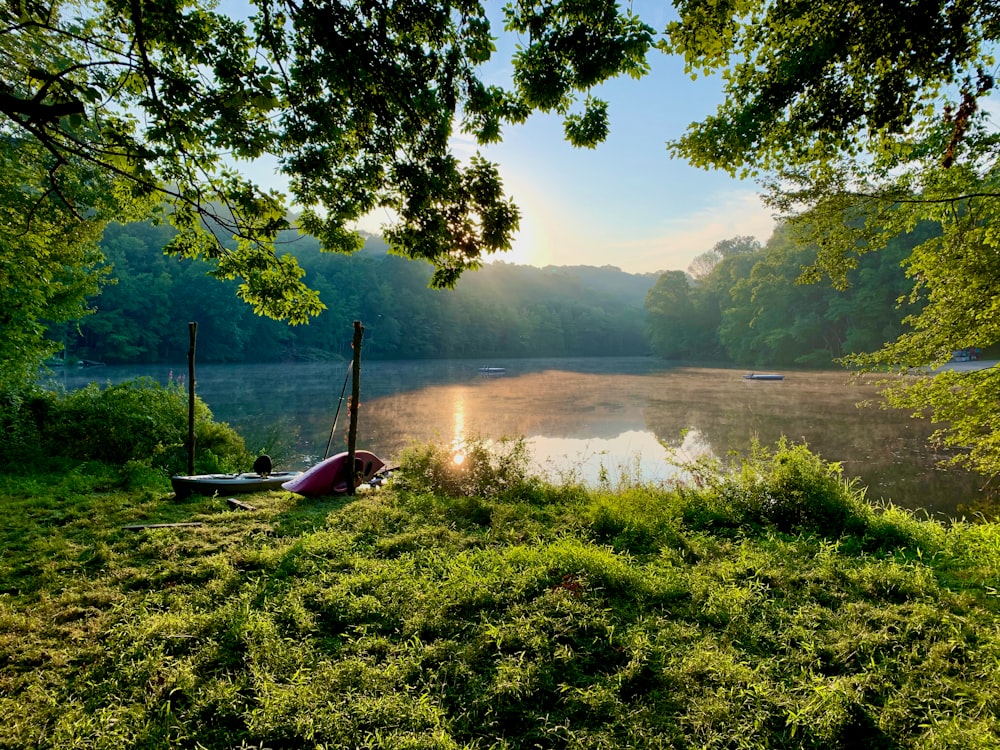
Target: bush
column 791, row 489
column 137, row 420
column 218, row 448
column 21, row 415
column 132, row 420
column 477, row 469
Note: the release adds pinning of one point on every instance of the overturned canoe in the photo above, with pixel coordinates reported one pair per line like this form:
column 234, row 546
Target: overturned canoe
column 228, row 484
column 330, row 476
column 763, row 376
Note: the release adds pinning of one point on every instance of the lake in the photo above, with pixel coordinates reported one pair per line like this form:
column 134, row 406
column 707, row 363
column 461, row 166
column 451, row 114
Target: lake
column 581, row 417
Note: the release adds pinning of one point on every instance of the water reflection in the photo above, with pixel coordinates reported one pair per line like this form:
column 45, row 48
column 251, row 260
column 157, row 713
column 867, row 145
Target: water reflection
column 632, row 455
column 459, row 436
column 585, row 417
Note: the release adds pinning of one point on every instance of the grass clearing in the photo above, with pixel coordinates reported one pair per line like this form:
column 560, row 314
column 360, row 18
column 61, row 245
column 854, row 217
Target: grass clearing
column 765, row 608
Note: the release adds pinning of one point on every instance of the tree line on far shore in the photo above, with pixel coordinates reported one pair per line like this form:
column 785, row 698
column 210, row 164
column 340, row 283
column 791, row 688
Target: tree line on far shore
column 503, row 310
column 749, row 304
column 740, row 303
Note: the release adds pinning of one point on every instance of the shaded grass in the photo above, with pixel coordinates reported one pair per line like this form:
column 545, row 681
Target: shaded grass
column 768, row 608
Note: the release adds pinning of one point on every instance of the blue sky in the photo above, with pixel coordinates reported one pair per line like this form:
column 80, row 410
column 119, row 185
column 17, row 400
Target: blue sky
column 626, row 203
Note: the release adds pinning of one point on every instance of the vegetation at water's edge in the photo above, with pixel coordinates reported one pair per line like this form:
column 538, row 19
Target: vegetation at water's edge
column 138, row 423
column 765, row 607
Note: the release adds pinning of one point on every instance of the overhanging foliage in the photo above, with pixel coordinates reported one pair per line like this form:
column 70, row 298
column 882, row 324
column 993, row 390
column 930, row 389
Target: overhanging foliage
column 866, row 121
column 355, row 102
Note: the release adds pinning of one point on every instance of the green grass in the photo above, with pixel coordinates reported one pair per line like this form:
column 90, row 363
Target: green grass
column 769, row 607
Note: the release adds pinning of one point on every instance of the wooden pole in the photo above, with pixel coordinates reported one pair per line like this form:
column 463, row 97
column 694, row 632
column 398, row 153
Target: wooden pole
column 352, row 430
column 193, row 331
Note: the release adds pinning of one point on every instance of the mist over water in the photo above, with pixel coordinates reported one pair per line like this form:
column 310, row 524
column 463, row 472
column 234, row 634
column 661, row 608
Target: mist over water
column 583, row 418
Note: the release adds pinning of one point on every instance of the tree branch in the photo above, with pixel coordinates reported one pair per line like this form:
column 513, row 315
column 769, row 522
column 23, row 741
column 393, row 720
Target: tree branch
column 36, row 111
column 140, row 45
column 929, row 201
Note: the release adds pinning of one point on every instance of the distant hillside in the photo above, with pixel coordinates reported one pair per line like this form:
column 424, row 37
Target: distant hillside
column 609, row 279
column 502, row 310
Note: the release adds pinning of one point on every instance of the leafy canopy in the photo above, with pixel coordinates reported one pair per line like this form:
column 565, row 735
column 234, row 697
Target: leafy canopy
column 46, row 271
column 806, row 83
column 356, row 102
column 866, row 121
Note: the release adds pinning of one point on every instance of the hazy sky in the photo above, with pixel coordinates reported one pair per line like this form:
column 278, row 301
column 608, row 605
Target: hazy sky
column 626, row 203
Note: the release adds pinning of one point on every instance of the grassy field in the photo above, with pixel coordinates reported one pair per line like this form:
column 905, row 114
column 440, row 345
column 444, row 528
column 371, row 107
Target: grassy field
column 769, row 607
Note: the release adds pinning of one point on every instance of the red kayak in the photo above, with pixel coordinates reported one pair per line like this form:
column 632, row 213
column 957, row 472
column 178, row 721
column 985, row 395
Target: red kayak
column 330, row 476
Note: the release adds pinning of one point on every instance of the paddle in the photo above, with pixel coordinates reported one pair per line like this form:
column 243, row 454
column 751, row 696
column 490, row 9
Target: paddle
column 333, row 429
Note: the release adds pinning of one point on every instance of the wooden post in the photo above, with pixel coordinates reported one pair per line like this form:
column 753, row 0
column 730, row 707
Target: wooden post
column 352, row 430
column 193, row 331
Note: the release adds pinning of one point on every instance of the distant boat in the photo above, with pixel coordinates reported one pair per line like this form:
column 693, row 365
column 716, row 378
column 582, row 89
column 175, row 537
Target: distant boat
column 763, row 376
column 329, row 476
column 492, row 370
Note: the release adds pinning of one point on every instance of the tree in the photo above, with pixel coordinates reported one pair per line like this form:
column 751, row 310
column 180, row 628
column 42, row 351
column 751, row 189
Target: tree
column 806, row 83
column 356, row 101
column 703, row 265
column 48, row 255
column 676, row 331
column 139, row 107
column 864, row 122
column 772, row 320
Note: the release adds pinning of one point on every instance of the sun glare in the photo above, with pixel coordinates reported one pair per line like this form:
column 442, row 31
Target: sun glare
column 520, row 252
column 527, row 248
column 458, row 441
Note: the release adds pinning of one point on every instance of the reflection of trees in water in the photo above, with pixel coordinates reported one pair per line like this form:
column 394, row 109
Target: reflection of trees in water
column 886, row 448
column 690, row 409
column 693, row 411
column 689, row 445
column 731, row 412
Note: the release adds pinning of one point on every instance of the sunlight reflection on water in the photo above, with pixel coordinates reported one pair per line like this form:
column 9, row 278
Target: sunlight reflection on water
column 625, row 417
column 632, row 456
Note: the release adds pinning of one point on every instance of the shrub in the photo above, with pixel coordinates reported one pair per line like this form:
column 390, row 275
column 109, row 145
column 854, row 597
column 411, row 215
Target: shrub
column 218, row 448
column 137, row 420
column 21, row 414
column 791, row 489
column 477, row 469
column 802, row 491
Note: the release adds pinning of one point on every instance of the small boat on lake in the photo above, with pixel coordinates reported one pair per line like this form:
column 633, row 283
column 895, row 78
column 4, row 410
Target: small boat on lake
column 229, row 484
column 330, row 476
column 763, row 376
column 490, row 371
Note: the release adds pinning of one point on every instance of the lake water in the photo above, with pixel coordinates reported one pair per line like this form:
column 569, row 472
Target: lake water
column 582, row 417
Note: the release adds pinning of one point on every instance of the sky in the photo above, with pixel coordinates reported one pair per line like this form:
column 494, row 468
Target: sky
column 627, row 203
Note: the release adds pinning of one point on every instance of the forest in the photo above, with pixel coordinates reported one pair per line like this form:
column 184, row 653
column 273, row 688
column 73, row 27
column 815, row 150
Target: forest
column 740, row 302
column 503, row 310
column 754, row 305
